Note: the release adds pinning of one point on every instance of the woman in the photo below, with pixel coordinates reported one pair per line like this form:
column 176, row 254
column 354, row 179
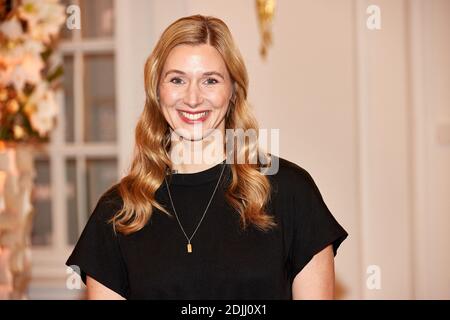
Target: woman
column 217, row 228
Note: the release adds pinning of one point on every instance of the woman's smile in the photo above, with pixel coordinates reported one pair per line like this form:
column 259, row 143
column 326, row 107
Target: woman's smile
column 194, row 117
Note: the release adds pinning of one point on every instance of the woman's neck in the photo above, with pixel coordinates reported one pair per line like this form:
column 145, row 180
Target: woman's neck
column 195, row 156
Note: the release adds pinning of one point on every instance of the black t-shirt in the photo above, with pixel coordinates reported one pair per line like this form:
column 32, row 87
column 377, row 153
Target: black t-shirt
column 226, row 262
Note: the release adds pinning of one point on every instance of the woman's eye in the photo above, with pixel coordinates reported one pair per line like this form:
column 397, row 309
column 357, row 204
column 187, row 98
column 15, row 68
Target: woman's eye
column 176, row 81
column 211, row 81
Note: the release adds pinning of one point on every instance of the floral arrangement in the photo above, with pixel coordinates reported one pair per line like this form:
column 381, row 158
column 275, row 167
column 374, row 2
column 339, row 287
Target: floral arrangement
column 29, row 72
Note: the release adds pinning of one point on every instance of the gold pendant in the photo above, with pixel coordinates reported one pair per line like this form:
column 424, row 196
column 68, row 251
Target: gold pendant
column 189, row 248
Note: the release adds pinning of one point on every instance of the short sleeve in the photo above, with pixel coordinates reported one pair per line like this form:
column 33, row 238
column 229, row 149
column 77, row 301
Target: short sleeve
column 97, row 252
column 314, row 225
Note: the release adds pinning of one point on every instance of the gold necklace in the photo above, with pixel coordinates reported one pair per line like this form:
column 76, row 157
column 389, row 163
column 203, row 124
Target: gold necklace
column 189, row 245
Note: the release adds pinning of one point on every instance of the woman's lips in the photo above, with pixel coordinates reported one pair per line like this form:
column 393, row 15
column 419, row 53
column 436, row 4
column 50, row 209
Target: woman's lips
column 191, row 118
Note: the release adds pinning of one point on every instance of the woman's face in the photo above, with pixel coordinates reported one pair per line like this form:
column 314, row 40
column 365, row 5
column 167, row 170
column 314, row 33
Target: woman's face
column 195, row 90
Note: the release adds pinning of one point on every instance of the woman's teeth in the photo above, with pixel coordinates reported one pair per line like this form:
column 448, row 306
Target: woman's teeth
column 194, row 116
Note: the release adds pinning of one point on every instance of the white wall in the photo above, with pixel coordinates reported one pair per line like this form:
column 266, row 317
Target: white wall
column 386, row 212
column 359, row 109
column 430, row 43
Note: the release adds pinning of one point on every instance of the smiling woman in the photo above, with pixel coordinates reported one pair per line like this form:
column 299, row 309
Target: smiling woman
column 216, row 229
column 196, row 89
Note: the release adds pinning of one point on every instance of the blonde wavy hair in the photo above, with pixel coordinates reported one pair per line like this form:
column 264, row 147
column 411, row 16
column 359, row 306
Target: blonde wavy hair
column 249, row 189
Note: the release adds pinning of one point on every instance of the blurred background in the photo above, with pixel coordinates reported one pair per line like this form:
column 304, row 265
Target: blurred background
column 362, row 104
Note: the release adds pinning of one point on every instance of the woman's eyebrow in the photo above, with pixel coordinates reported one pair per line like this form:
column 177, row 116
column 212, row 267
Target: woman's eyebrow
column 208, row 73
column 211, row 73
column 174, row 71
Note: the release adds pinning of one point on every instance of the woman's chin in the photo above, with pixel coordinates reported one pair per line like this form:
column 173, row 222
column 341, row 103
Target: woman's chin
column 193, row 133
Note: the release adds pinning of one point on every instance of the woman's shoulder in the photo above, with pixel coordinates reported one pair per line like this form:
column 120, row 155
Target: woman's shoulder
column 108, row 204
column 289, row 175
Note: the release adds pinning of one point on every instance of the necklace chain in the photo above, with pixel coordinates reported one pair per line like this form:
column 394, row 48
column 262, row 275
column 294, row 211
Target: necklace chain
column 189, row 245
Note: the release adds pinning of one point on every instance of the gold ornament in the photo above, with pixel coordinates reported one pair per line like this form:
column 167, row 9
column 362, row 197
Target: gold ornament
column 266, row 12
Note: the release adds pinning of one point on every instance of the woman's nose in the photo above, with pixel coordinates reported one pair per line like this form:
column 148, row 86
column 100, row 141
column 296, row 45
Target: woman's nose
column 193, row 96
